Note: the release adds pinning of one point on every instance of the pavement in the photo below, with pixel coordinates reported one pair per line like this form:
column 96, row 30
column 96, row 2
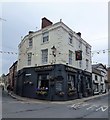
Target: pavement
column 31, row 100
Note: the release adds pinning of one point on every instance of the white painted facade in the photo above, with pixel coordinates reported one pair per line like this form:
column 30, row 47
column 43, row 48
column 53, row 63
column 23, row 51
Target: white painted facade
column 59, row 38
column 97, row 85
column 101, row 79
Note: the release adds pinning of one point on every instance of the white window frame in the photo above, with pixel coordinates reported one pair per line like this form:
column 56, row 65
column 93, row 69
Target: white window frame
column 87, row 49
column 96, row 78
column 80, row 44
column 44, row 56
column 45, row 37
column 70, row 57
column 71, row 81
column 29, row 58
column 70, row 38
column 30, row 42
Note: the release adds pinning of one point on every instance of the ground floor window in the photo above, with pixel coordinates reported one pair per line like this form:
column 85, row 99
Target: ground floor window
column 96, row 88
column 71, row 85
column 71, row 81
column 87, row 83
column 42, row 84
column 102, row 87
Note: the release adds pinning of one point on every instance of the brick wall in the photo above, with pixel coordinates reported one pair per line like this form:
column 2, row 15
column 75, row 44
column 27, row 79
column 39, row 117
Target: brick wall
column 46, row 22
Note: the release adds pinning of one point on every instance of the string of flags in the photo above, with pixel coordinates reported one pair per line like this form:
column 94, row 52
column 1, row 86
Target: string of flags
column 4, row 52
column 92, row 52
column 100, row 51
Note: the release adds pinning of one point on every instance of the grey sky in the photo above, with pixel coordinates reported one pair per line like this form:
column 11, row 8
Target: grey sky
column 90, row 18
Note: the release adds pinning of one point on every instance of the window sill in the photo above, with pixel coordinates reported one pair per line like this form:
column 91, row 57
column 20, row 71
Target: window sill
column 29, row 48
column 44, row 63
column 71, row 44
column 44, row 43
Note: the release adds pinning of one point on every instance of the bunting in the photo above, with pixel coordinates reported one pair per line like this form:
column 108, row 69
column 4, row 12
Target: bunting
column 98, row 52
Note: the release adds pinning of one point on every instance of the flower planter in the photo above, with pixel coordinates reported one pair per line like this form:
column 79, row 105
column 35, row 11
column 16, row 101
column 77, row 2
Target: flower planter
column 42, row 93
column 71, row 92
column 61, row 94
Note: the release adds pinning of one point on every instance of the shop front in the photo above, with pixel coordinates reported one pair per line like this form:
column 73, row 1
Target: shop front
column 52, row 82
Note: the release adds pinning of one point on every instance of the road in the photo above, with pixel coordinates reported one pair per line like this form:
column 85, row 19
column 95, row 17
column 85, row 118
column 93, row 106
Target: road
column 95, row 108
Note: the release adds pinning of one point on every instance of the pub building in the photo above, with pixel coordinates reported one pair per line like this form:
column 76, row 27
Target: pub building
column 54, row 63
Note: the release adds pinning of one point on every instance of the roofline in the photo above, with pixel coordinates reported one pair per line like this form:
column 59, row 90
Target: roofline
column 13, row 64
column 52, row 26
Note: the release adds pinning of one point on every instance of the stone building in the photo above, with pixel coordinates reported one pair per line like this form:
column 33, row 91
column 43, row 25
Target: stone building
column 54, row 63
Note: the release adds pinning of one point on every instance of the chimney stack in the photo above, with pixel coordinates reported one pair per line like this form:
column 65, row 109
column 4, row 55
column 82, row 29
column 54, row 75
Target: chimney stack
column 46, row 22
column 30, row 32
column 79, row 34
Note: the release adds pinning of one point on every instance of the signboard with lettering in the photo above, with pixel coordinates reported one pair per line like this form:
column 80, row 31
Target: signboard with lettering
column 42, row 68
column 78, row 55
column 70, row 69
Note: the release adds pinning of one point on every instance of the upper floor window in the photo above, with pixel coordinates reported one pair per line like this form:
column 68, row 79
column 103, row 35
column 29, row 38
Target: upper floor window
column 45, row 56
column 70, row 39
column 87, row 49
column 45, row 37
column 87, row 63
column 70, row 57
column 30, row 42
column 96, row 77
column 29, row 58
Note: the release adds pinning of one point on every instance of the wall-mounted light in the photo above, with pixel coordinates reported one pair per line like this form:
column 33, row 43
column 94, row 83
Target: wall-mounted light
column 53, row 51
column 53, row 48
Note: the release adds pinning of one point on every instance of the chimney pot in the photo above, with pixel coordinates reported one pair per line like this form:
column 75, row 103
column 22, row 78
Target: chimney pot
column 79, row 34
column 60, row 20
column 30, row 32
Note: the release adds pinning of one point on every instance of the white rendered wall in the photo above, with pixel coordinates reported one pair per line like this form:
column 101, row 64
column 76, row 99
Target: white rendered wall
column 58, row 37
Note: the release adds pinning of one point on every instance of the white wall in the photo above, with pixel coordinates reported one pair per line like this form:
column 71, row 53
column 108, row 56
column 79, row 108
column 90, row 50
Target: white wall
column 99, row 81
column 58, row 37
column 98, row 77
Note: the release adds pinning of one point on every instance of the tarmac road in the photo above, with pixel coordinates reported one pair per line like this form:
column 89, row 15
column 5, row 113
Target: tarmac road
column 94, row 108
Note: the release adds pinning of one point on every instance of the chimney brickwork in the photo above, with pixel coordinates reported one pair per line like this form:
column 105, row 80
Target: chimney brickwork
column 45, row 22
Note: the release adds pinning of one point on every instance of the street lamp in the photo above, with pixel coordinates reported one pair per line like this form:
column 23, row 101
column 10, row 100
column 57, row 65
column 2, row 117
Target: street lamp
column 53, row 51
